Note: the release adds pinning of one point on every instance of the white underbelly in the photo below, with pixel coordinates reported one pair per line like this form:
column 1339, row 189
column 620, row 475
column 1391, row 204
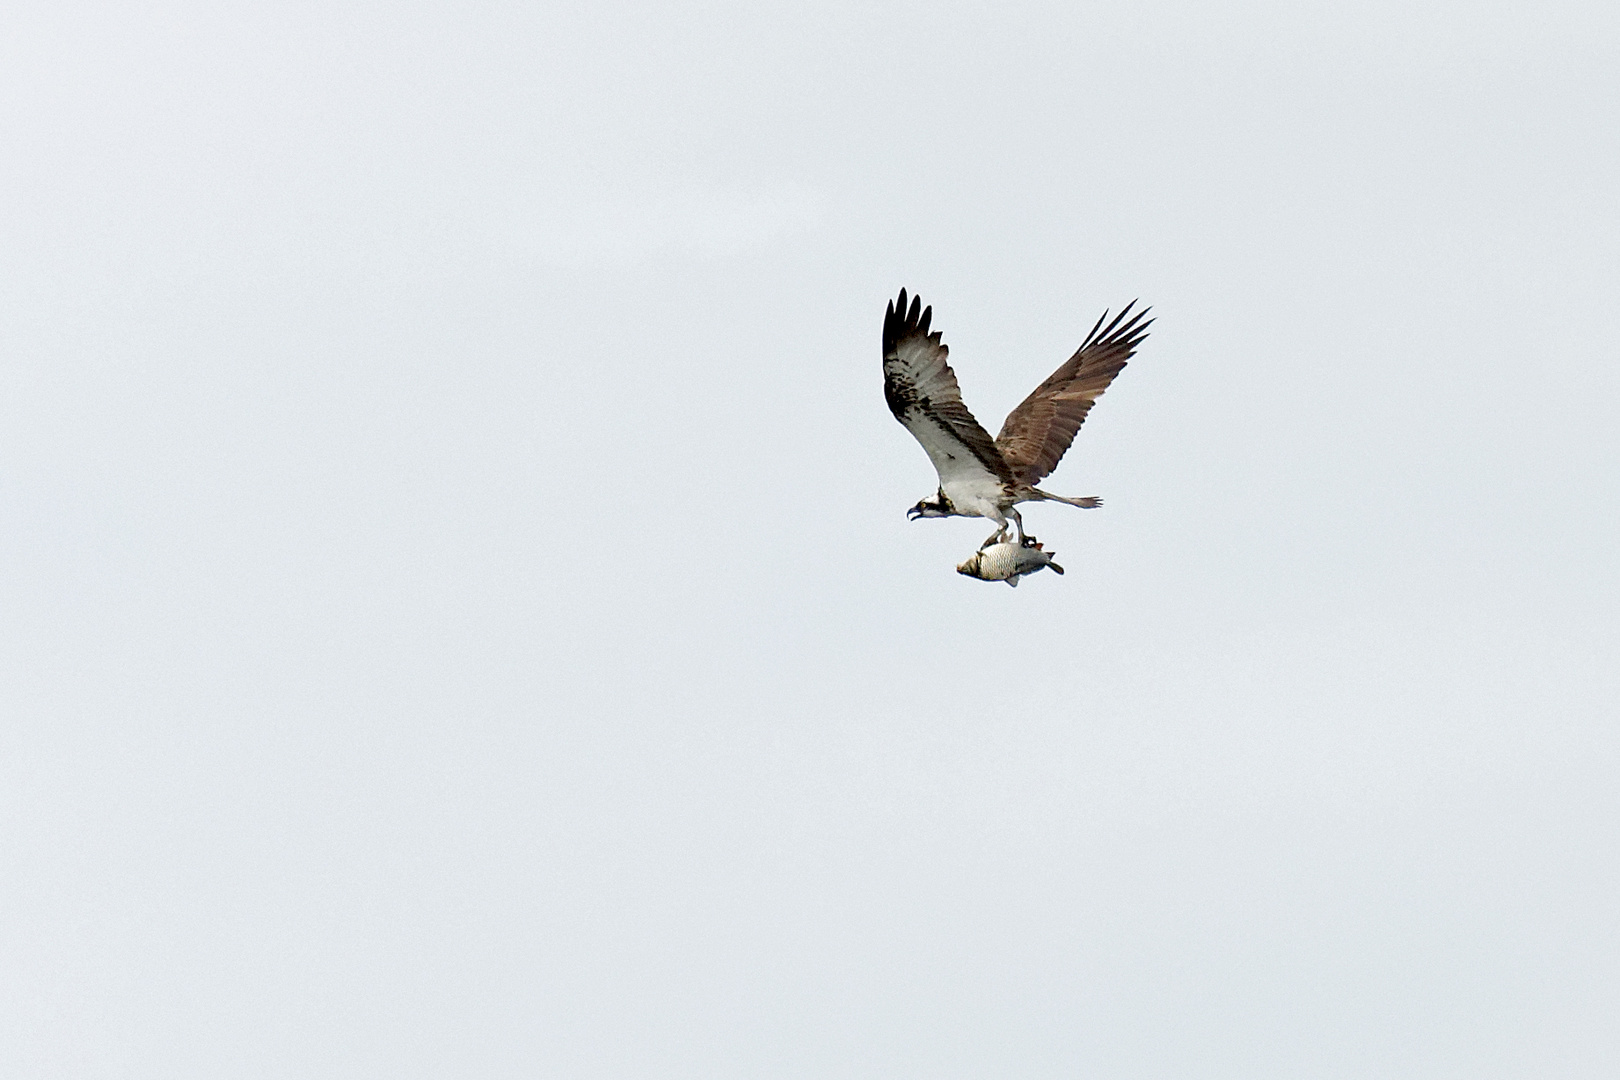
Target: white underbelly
column 976, row 498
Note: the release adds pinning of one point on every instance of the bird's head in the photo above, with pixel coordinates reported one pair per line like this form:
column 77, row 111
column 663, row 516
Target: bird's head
column 935, row 506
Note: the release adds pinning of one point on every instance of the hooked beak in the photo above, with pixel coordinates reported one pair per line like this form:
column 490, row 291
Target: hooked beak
column 913, row 514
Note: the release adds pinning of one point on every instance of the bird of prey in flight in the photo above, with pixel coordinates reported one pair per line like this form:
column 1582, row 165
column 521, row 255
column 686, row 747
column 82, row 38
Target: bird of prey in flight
column 980, row 476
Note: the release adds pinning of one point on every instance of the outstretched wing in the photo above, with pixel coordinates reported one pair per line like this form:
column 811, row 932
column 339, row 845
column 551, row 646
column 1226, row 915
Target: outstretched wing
column 1037, row 433
column 921, row 390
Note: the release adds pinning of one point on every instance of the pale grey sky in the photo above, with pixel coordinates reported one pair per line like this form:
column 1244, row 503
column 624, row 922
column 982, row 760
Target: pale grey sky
column 460, row 618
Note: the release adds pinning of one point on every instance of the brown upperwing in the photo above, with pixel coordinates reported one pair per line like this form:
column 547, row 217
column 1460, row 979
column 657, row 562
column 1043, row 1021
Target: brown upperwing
column 1038, row 432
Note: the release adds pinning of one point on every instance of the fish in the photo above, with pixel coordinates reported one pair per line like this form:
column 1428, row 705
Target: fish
column 1008, row 562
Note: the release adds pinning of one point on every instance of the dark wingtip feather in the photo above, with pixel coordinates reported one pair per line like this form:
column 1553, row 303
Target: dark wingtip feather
column 894, row 319
column 1125, row 329
column 904, row 317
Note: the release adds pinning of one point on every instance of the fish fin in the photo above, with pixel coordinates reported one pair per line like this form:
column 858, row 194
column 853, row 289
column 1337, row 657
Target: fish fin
column 1013, row 581
column 1055, row 566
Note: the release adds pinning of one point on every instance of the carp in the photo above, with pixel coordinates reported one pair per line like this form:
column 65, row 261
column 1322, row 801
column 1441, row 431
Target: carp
column 1008, row 562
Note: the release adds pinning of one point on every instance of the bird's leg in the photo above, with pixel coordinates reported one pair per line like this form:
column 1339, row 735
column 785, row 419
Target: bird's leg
column 998, row 536
column 1018, row 523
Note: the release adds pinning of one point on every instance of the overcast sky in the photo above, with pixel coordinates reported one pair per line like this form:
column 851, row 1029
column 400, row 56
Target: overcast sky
column 459, row 618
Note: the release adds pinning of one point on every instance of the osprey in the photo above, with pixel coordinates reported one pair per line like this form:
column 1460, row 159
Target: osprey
column 980, row 476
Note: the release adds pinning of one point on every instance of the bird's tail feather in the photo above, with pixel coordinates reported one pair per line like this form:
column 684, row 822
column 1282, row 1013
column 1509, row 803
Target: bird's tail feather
column 1090, row 502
